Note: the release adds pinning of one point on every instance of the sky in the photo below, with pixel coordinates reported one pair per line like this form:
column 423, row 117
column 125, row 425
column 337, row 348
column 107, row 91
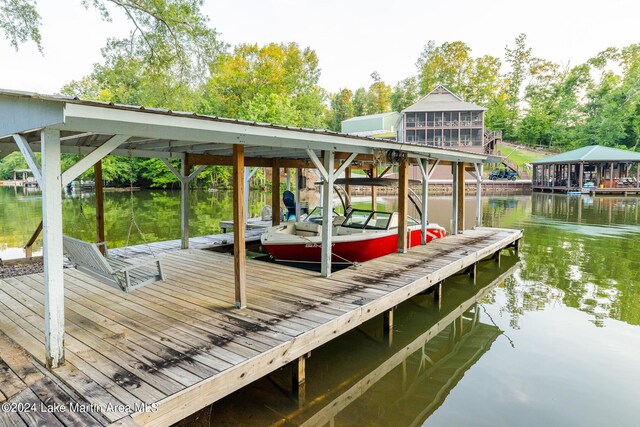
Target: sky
column 352, row 38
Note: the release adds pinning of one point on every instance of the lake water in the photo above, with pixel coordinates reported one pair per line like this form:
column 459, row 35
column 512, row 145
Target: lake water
column 555, row 342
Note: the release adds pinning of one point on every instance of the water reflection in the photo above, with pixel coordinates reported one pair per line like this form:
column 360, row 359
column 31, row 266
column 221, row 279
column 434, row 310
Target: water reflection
column 358, row 380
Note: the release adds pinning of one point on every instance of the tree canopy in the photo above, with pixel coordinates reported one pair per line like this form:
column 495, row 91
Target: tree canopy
column 174, row 59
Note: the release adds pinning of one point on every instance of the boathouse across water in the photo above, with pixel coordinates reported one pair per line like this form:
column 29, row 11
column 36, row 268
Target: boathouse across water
column 609, row 170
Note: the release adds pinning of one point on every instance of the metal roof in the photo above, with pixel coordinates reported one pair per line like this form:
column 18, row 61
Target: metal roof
column 85, row 125
column 442, row 99
column 592, row 153
column 370, row 116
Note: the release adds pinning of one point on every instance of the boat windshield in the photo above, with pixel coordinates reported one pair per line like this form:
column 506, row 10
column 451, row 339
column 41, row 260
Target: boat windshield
column 315, row 215
column 367, row 220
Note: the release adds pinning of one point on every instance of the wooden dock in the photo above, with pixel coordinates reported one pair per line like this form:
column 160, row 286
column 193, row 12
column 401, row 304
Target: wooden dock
column 162, row 352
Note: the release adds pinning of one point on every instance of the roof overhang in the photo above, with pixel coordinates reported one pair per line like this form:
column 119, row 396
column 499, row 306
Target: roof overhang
column 85, row 125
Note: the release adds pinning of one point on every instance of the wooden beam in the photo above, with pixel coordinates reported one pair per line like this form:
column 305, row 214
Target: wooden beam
column 611, row 176
column 388, row 326
column 298, row 379
column 97, row 178
column 28, row 247
column 461, row 191
column 275, row 193
column 437, row 294
column 403, row 205
column 239, row 250
column 52, row 253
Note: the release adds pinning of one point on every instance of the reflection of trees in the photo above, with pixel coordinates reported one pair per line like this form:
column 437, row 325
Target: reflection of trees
column 581, row 251
column 156, row 212
column 525, row 296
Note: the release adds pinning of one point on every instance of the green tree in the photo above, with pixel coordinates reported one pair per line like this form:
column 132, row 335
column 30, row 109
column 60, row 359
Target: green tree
column 519, row 59
column 404, row 94
column 253, row 81
column 341, row 108
column 359, row 100
column 378, row 99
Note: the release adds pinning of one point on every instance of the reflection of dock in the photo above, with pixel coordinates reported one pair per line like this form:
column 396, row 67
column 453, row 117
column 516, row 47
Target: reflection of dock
column 440, row 356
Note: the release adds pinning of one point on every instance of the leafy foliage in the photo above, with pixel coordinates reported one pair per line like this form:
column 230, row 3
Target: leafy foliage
column 276, row 83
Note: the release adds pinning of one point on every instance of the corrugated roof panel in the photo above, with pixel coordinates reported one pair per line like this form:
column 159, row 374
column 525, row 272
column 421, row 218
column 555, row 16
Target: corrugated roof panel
column 592, row 153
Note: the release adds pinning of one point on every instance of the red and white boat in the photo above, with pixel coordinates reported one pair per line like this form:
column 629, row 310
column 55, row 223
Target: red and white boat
column 358, row 236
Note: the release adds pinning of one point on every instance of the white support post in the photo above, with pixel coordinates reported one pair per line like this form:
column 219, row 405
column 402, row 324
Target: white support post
column 424, row 164
column 184, row 205
column 327, row 226
column 248, row 174
column 28, row 155
column 52, row 253
column 288, row 179
column 298, row 184
column 92, row 158
column 479, row 170
column 185, row 178
column 454, row 191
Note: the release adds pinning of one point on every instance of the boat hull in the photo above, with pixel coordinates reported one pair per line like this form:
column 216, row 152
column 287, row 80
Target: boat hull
column 345, row 252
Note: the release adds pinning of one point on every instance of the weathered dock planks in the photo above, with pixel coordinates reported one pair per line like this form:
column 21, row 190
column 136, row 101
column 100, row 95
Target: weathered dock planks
column 179, row 345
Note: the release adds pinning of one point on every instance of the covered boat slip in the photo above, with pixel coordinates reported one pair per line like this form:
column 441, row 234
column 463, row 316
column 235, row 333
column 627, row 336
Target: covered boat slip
column 53, row 125
column 180, row 344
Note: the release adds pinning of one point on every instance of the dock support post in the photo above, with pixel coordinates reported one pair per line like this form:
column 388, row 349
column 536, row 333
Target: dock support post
column 403, row 205
column 374, row 189
column 426, row 175
column 496, row 257
column 479, row 170
column 298, row 184
column 424, row 220
column 347, row 188
column 388, row 326
column 97, row 178
column 327, row 207
column 454, row 191
column 275, row 193
column 473, row 272
column 52, row 254
column 239, row 224
column 611, row 176
column 460, row 193
column 437, row 295
column 184, row 204
column 248, row 174
column 298, row 379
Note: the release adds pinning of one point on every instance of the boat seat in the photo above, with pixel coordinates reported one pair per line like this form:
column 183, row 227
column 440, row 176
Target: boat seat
column 338, row 220
column 311, row 227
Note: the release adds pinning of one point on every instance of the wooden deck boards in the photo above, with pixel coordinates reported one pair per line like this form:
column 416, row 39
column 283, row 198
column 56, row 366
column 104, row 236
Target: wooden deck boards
column 199, row 242
column 180, row 344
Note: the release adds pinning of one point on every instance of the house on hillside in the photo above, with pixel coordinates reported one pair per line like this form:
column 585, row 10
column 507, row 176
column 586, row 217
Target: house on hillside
column 383, row 125
column 442, row 119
